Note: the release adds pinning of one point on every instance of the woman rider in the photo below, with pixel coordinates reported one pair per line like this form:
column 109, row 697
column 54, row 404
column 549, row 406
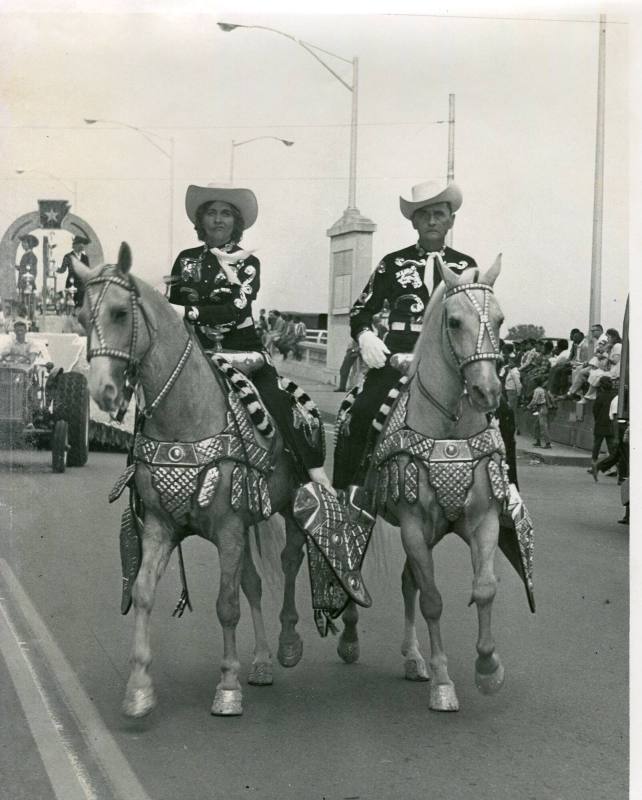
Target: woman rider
column 218, row 299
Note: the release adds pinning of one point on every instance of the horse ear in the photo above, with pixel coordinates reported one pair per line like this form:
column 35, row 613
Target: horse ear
column 447, row 275
column 492, row 274
column 81, row 270
column 124, row 258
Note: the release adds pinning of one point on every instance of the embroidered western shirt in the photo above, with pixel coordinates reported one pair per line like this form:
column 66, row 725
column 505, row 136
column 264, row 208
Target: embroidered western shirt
column 399, row 279
column 221, row 307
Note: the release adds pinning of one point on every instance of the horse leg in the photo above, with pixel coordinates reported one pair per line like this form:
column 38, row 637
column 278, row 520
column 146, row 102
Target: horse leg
column 348, row 647
column 261, row 669
column 442, row 689
column 290, row 643
column 489, row 670
column 228, row 700
column 157, row 546
column 414, row 665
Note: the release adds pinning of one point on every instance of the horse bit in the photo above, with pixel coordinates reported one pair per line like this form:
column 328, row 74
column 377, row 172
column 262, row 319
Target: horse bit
column 132, row 368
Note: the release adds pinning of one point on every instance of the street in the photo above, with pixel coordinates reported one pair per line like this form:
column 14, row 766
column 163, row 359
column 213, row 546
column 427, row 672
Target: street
column 558, row 728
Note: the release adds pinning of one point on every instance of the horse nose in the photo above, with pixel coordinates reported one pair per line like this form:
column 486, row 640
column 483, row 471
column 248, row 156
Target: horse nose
column 485, row 397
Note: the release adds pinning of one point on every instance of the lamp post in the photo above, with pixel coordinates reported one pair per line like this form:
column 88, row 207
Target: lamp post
column 73, row 188
column 169, row 154
column 286, row 142
column 353, row 88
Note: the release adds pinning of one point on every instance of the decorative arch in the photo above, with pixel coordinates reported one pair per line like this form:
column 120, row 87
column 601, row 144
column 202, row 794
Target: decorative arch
column 31, row 222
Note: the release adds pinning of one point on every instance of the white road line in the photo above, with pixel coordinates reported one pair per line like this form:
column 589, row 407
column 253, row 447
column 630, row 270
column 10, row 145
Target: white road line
column 60, row 762
column 98, row 738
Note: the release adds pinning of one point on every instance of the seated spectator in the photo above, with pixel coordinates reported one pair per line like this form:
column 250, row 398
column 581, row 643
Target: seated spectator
column 608, row 364
column 18, row 347
column 562, row 372
column 300, row 332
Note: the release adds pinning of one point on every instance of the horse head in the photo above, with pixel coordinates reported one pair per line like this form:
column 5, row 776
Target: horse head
column 120, row 330
column 471, row 319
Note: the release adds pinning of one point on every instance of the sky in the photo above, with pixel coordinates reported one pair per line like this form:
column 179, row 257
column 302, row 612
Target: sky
column 525, row 87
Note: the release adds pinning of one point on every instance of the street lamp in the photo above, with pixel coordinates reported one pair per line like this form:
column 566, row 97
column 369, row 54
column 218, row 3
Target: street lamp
column 73, row 189
column 353, row 88
column 286, row 142
column 169, row 154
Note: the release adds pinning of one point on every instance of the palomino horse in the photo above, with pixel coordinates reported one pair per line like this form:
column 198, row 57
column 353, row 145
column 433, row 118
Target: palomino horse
column 430, row 472
column 136, row 337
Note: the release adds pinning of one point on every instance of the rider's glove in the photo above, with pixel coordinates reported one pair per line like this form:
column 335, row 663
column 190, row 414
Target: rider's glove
column 192, row 313
column 373, row 350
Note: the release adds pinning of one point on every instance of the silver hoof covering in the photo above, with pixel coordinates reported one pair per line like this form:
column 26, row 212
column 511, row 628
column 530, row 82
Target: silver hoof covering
column 139, row 702
column 228, row 703
column 260, row 674
column 443, row 697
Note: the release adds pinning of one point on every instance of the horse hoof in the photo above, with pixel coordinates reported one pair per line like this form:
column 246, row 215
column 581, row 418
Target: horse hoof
column 416, row 670
column 260, row 674
column 290, row 654
column 348, row 651
column 443, row 698
column 228, row 703
column 489, row 684
column 139, row 702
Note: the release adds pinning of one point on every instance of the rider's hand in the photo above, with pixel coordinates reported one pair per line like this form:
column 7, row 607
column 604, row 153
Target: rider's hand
column 191, row 295
column 373, row 350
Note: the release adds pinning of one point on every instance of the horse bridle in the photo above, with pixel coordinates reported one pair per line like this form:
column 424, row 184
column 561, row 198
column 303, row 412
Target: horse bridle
column 131, row 374
column 479, row 354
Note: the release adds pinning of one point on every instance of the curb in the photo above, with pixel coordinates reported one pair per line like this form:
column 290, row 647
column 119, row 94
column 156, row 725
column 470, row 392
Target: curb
column 556, row 459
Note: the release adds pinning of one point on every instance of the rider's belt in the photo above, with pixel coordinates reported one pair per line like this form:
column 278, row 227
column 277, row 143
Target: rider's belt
column 406, row 327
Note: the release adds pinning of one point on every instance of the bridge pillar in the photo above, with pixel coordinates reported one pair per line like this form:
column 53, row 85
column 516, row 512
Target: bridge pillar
column 350, row 269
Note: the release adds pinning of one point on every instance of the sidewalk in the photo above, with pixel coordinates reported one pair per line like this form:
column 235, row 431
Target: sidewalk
column 328, row 402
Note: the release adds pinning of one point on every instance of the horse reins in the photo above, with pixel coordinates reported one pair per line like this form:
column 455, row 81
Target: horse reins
column 132, row 368
column 478, row 355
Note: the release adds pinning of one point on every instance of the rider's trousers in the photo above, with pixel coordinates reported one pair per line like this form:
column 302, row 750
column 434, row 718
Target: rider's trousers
column 279, row 405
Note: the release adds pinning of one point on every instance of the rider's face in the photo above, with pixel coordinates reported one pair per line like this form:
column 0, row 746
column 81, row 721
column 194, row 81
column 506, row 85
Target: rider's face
column 432, row 223
column 218, row 223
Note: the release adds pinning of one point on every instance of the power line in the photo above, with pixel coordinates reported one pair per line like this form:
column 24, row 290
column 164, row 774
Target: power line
column 222, row 127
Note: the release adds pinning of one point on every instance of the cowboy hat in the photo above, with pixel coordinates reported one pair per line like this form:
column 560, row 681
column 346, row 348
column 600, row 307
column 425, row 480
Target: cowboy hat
column 243, row 199
column 80, row 240
column 429, row 193
column 29, row 240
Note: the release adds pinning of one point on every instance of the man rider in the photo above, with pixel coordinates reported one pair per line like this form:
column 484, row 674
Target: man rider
column 406, row 279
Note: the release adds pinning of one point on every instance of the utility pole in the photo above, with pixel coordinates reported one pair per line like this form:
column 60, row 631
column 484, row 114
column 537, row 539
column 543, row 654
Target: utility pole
column 451, row 153
column 595, row 308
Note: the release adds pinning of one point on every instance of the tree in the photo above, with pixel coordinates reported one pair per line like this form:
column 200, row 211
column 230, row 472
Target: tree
column 525, row 331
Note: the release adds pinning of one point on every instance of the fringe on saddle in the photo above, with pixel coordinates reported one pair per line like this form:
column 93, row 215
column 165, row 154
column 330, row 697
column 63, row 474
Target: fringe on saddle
column 247, row 394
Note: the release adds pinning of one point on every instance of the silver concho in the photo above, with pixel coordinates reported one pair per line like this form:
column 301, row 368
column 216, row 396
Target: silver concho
column 175, row 453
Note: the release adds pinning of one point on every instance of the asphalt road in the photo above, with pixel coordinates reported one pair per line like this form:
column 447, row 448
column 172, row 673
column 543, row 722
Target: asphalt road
column 557, row 730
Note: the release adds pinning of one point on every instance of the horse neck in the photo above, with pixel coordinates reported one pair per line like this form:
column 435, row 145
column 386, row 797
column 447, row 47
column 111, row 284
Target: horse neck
column 433, row 365
column 193, row 408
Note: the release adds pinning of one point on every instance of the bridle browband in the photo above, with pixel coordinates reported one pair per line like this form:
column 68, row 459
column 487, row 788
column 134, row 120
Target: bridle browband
column 478, row 355
column 132, row 368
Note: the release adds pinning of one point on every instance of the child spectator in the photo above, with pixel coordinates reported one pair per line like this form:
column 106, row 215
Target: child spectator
column 539, row 405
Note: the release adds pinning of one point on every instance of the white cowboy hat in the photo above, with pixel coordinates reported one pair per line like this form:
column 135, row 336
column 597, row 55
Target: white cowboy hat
column 430, row 192
column 243, row 199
